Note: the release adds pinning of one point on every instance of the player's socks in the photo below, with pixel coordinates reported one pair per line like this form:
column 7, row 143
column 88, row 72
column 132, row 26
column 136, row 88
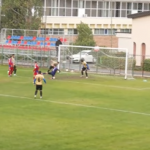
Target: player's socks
column 9, row 73
column 82, row 74
column 35, row 92
column 40, row 94
column 86, row 74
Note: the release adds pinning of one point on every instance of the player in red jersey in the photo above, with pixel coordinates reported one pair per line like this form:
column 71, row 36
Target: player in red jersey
column 35, row 70
column 11, row 66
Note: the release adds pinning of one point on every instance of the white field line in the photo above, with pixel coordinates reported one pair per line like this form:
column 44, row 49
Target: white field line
column 145, row 88
column 80, row 105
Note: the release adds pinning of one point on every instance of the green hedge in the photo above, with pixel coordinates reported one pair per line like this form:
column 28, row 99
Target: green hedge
column 146, row 65
column 114, row 63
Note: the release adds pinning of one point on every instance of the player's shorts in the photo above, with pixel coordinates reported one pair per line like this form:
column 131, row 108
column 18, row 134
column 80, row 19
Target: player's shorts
column 51, row 67
column 35, row 73
column 84, row 68
column 39, row 87
column 15, row 68
column 11, row 68
column 49, row 73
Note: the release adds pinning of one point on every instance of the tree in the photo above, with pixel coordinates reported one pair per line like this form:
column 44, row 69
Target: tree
column 19, row 14
column 85, row 36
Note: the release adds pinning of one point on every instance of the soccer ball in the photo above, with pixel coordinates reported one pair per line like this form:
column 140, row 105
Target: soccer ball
column 53, row 77
column 67, row 70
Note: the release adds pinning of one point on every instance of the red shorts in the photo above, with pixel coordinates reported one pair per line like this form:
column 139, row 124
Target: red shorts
column 35, row 73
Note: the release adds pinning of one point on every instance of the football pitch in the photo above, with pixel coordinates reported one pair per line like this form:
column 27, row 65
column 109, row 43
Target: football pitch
column 98, row 113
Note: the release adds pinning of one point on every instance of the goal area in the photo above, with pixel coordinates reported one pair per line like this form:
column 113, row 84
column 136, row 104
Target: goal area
column 102, row 60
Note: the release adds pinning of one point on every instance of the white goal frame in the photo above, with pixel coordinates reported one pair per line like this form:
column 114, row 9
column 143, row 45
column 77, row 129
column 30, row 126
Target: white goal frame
column 107, row 48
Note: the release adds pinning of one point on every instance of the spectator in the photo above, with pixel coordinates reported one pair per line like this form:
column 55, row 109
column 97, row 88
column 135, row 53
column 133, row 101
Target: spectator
column 58, row 42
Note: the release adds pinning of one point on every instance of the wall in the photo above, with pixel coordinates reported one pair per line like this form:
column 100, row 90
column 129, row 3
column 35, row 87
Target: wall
column 100, row 40
column 72, row 22
column 125, row 41
column 107, row 41
column 141, row 34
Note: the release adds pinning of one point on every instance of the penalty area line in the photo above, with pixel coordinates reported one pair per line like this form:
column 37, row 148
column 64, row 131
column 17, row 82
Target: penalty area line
column 80, row 105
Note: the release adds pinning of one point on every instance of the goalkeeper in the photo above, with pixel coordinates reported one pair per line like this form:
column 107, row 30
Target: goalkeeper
column 84, row 68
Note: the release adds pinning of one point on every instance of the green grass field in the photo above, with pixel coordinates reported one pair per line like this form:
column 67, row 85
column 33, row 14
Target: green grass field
column 99, row 113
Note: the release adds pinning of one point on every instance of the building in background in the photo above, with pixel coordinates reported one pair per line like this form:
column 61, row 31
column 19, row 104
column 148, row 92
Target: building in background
column 140, row 36
column 103, row 17
column 137, row 42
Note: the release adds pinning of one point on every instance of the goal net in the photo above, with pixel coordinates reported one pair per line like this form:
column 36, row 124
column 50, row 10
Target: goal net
column 102, row 60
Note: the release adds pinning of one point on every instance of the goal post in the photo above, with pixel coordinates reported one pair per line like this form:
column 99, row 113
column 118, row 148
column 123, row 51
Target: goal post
column 105, row 60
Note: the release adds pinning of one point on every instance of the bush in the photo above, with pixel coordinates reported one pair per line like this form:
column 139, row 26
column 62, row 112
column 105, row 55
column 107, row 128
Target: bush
column 146, row 65
column 115, row 63
column 112, row 62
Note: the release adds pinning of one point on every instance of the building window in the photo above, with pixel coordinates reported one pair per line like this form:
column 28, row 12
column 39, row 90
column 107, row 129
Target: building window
column 75, row 3
column 129, row 5
column 105, row 31
column 117, row 9
column 58, row 31
column 72, row 31
column 146, row 6
column 94, row 8
column 125, row 30
column 42, row 31
column 74, row 12
column 94, row 4
column 139, row 7
column 52, row 31
column 88, row 4
column 100, row 5
column 134, row 6
column 124, row 5
column 81, row 4
column 68, row 3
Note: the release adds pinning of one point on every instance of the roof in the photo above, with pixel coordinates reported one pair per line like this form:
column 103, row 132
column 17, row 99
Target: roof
column 138, row 15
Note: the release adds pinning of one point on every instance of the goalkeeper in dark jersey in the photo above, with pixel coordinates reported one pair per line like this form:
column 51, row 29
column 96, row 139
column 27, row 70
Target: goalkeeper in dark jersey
column 84, row 68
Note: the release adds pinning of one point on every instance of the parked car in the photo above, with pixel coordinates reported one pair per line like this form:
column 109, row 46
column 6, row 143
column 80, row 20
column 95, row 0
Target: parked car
column 86, row 54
